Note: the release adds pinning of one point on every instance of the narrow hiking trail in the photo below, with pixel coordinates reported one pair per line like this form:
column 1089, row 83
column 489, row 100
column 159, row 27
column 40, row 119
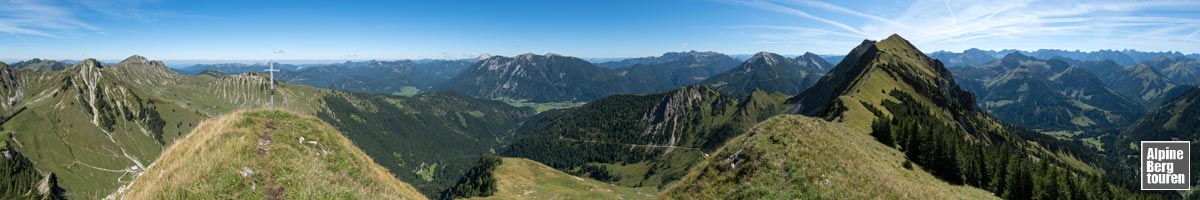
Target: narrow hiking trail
column 263, row 150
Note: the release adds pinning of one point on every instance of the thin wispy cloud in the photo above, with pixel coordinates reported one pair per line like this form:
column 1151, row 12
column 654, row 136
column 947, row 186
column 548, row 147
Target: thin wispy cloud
column 943, row 24
column 783, row 9
column 118, row 8
column 39, row 18
column 839, row 9
column 50, row 18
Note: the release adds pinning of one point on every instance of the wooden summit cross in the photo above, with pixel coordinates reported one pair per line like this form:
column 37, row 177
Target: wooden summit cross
column 271, row 69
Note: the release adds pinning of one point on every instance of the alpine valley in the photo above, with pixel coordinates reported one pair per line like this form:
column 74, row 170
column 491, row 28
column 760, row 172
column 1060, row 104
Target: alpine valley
column 883, row 121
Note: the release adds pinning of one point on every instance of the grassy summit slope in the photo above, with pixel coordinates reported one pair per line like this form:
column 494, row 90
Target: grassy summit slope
column 519, row 178
column 797, row 157
column 259, row 154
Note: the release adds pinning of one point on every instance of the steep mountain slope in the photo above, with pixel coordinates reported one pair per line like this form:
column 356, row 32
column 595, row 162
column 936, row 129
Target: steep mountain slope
column 428, row 140
column 1184, row 72
column 265, row 155
column 1143, row 83
column 1022, row 98
column 769, row 72
column 639, row 140
column 519, row 178
column 40, row 65
column 538, row 78
column 675, row 69
column 796, row 157
column 1175, row 120
column 11, row 91
column 1047, row 94
column 869, row 72
column 21, row 179
column 90, row 127
column 1083, row 86
column 908, row 101
column 1105, row 70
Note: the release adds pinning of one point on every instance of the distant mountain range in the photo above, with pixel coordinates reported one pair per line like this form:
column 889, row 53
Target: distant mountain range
column 666, row 57
column 974, row 57
column 235, row 68
column 540, row 78
column 771, row 73
column 1047, row 94
column 554, row 78
column 41, row 65
column 385, row 77
column 675, row 69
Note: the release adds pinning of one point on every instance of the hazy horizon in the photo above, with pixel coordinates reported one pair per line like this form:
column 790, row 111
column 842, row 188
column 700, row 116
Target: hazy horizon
column 208, row 30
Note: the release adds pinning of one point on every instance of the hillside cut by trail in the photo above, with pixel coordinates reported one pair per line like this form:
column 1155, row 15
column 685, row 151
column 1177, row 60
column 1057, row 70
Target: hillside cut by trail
column 265, row 155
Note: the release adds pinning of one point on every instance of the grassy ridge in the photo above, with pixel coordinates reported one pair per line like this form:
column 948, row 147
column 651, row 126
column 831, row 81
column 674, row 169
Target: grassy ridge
column 519, row 178
column 211, row 163
column 796, row 157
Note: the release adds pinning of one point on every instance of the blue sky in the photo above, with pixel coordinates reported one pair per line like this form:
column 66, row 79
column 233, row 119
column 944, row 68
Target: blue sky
column 338, row 30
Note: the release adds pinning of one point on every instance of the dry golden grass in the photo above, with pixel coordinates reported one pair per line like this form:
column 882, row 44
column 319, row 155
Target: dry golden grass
column 519, row 178
column 797, row 157
column 207, row 163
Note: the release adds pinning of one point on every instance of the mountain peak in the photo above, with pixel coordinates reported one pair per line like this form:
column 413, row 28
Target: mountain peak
column 896, row 42
column 526, row 56
column 1014, row 56
column 91, row 62
column 895, row 36
column 768, row 57
column 135, row 59
column 769, row 72
column 483, row 56
column 1144, row 69
column 880, row 67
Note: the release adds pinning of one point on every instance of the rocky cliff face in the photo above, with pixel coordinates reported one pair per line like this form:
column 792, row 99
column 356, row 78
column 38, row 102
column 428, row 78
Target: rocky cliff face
column 675, row 112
